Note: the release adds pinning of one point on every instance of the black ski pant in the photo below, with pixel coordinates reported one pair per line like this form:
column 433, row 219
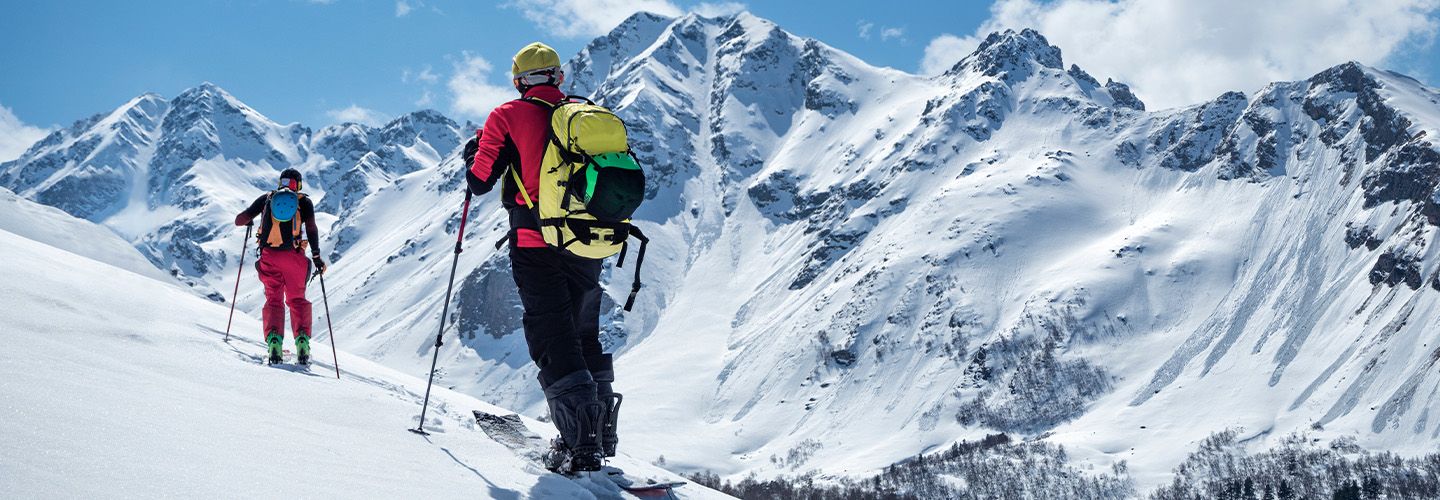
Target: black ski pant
column 561, row 295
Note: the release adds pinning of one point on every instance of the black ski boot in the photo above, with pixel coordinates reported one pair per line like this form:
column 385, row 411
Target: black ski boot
column 576, row 413
column 274, row 342
column 603, row 371
column 561, row 459
column 609, row 423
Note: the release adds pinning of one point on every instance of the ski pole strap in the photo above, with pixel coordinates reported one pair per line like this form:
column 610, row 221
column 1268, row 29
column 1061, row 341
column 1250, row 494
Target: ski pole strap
column 639, row 261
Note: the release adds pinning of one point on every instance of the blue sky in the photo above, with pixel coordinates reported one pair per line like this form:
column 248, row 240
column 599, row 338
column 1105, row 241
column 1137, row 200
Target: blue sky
column 320, row 61
column 296, row 60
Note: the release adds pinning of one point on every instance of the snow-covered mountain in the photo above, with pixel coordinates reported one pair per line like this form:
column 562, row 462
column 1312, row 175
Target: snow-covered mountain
column 169, row 174
column 851, row 264
column 854, row 264
column 123, row 388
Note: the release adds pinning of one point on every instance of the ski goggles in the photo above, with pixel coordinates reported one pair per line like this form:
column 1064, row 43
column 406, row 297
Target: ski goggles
column 291, row 184
column 551, row 75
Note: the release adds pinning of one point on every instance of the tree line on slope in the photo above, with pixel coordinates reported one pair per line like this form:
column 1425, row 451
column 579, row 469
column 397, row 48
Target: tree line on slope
column 997, row 467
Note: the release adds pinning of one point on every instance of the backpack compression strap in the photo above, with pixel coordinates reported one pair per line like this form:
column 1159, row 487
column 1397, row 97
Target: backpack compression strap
column 639, row 261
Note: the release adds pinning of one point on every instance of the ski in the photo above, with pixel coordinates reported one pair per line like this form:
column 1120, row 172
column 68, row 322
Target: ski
column 511, row 432
column 648, row 489
column 287, row 362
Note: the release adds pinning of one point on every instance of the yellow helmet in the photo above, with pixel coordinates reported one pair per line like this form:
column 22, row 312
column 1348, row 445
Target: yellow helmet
column 535, row 56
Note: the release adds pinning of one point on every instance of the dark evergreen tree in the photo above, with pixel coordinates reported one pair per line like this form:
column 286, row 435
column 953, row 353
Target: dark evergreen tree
column 1371, row 490
column 1348, row 491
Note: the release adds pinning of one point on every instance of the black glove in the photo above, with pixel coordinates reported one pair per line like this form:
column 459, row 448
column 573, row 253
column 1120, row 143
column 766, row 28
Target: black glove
column 319, row 264
column 477, row 186
column 471, row 147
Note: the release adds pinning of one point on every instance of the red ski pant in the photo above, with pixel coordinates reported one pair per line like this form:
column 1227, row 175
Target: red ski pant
column 284, row 273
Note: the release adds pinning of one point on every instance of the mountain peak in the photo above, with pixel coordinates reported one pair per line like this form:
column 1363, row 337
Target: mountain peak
column 208, row 93
column 428, row 115
column 206, row 88
column 1349, row 76
column 594, row 64
column 747, row 23
column 639, row 19
column 1010, row 55
column 422, row 120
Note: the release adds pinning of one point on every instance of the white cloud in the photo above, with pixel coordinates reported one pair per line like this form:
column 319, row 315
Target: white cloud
column 426, row 100
column 403, row 8
column 867, row 30
column 944, row 51
column 718, row 9
column 470, row 87
column 1176, row 52
column 587, row 18
column 426, row 75
column 357, row 114
column 16, row 136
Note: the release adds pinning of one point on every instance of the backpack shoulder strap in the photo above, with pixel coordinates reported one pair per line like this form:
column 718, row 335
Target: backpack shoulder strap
column 514, row 171
column 265, row 212
column 538, row 102
column 299, row 219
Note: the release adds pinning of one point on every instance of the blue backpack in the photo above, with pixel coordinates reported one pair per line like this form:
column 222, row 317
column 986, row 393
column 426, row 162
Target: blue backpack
column 283, row 206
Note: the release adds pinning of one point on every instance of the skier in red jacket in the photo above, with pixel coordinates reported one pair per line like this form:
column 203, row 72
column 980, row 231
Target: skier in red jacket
column 282, row 266
column 560, row 293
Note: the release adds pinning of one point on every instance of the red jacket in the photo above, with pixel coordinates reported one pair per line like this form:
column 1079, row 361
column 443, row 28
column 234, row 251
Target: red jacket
column 516, row 133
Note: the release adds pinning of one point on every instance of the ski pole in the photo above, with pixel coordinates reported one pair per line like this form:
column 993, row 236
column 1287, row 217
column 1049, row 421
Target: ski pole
column 444, row 311
column 326, row 297
column 235, row 296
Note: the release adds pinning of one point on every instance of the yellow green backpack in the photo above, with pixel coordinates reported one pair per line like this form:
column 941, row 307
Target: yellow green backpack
column 590, row 185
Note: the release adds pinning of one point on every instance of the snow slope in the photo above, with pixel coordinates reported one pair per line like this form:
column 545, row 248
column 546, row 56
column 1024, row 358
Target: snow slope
column 55, row 228
column 125, row 389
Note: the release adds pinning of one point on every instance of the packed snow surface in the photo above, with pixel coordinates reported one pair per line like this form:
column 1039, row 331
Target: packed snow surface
column 117, row 385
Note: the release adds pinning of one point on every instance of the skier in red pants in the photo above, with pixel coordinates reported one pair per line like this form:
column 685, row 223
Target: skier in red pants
column 283, row 267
